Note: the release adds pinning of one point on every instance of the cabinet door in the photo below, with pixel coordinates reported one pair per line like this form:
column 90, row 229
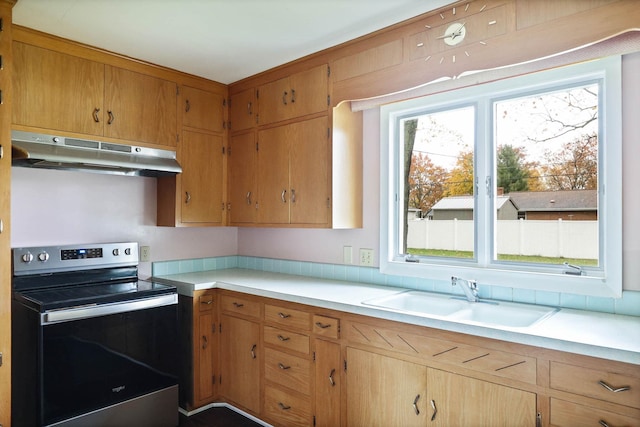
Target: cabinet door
column 310, row 165
column 455, row 400
column 328, row 383
column 309, row 91
column 274, row 101
column 243, row 110
column 204, row 381
column 57, row 91
column 241, row 359
column 200, row 155
column 242, row 178
column 384, row 391
column 140, row 107
column 273, row 175
column 202, row 109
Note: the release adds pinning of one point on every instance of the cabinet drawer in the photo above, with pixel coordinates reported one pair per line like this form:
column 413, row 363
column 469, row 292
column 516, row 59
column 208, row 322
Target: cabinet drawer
column 287, row 370
column 287, row 317
column 288, row 409
column 568, row 414
column 239, row 305
column 205, row 301
column 625, row 389
column 326, row 326
column 286, row 339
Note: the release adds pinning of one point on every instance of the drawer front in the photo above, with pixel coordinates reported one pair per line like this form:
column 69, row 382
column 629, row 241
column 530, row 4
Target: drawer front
column 600, row 384
column 286, row 339
column 239, row 305
column 569, row 414
column 287, row 317
column 288, row 409
column 328, row 327
column 289, row 371
column 205, row 301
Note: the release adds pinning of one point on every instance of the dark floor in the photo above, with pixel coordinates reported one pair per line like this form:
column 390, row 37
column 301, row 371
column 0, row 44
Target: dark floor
column 216, row 417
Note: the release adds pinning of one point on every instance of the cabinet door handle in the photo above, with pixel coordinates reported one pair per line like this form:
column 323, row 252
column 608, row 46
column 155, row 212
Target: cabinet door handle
column 187, row 197
column 612, row 389
column 435, row 410
column 283, row 196
column 283, row 315
column 238, row 305
column 331, row 374
column 284, row 97
column 293, row 195
column 283, row 406
column 283, row 367
column 207, row 302
column 95, row 115
column 253, row 351
column 322, row 325
column 281, row 338
column 415, row 405
column 293, row 96
column 205, row 343
column 249, row 108
column 249, row 198
column 112, row 118
column 187, row 106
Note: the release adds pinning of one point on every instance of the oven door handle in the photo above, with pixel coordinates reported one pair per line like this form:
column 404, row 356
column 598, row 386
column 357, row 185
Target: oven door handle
column 86, row 312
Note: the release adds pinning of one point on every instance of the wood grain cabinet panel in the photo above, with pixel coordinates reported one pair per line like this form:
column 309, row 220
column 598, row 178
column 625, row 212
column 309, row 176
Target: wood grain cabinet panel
column 288, row 371
column 202, row 109
column 284, row 339
column 569, row 414
column 324, row 326
column 287, row 317
column 289, row 408
column 237, row 304
column 328, row 383
column 242, row 164
column 243, row 110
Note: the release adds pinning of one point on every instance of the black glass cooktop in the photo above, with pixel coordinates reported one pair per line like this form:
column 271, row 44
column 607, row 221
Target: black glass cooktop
column 79, row 295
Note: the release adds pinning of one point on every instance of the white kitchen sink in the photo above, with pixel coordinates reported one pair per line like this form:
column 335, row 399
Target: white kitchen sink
column 506, row 314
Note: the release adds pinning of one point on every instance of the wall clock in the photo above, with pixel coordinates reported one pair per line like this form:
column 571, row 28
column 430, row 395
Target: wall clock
column 458, row 32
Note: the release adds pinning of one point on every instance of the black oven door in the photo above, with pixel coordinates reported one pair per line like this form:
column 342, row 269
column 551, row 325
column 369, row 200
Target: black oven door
column 97, row 362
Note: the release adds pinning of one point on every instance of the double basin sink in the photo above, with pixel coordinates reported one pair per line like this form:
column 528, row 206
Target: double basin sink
column 504, row 314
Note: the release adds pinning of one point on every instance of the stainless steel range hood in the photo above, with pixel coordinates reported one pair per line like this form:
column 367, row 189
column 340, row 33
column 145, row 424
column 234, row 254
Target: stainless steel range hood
column 36, row 150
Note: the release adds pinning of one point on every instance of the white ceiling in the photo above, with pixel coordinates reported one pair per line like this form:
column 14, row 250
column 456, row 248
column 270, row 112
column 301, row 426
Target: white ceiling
column 222, row 40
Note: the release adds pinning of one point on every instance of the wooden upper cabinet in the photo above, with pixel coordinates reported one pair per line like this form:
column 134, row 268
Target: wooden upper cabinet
column 241, row 164
column 294, row 96
column 56, row 91
column 243, row 109
column 201, row 180
column 273, row 176
column 201, row 109
column 140, row 107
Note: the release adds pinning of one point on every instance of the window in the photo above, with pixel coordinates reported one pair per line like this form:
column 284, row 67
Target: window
column 514, row 183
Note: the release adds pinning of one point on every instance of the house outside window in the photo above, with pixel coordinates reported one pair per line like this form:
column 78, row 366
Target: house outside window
column 518, row 182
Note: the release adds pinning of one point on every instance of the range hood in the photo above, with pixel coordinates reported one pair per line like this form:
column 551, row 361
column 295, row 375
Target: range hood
column 37, row 150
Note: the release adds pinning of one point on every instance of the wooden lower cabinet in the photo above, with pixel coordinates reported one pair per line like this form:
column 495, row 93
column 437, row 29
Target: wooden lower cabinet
column 328, row 382
column 456, row 400
column 241, row 362
column 384, row 391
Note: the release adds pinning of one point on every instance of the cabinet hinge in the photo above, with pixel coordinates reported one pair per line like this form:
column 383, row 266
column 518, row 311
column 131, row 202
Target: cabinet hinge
column 314, row 357
column 224, row 124
column 220, row 328
column 228, row 151
column 328, row 132
column 177, row 137
column 177, row 90
column 314, row 421
column 224, row 102
column 0, row 359
column 257, row 148
column 328, row 70
column 213, row 328
column 1, row 67
column 328, row 100
column 345, row 365
column 213, row 379
column 223, row 150
column 1, row 25
column 257, row 93
column 257, row 119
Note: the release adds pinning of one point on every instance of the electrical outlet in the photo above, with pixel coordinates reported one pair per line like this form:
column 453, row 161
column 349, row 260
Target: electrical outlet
column 347, row 254
column 145, row 253
column 366, row 257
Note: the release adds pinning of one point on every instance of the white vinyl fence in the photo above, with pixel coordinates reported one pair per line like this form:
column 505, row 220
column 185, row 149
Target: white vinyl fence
column 568, row 239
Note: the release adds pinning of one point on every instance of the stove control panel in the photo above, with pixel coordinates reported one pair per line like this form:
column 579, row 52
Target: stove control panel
column 47, row 259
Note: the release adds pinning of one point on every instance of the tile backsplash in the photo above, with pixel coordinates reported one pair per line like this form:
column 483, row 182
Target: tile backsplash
column 629, row 304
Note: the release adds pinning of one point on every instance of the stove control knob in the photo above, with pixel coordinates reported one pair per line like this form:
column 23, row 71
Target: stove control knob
column 43, row 257
column 28, row 257
column 116, row 252
column 127, row 251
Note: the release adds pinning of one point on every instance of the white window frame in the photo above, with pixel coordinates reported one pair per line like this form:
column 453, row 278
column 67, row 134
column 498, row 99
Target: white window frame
column 603, row 281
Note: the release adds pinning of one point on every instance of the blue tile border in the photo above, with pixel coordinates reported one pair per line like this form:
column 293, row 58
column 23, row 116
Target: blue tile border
column 629, row 304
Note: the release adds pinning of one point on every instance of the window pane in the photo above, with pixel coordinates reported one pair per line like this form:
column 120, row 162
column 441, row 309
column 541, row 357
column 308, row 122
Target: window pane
column 439, row 178
column 546, row 169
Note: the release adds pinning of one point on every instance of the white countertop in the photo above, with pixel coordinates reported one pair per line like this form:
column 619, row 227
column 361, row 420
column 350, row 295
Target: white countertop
column 608, row 336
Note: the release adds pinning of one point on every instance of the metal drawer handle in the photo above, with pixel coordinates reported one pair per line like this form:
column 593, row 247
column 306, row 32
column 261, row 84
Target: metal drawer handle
column 603, row 423
column 283, row 406
column 284, row 368
column 331, row 381
column 95, row 115
column 207, row 302
column 112, row 118
column 281, row 338
column 435, row 410
column 253, row 351
column 283, row 315
column 283, row 196
column 614, row 390
column 205, row 343
column 187, row 106
column 238, row 305
column 322, row 325
column 415, row 405
column 293, row 195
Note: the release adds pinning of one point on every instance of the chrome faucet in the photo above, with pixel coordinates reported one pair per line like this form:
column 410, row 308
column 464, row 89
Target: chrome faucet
column 469, row 287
